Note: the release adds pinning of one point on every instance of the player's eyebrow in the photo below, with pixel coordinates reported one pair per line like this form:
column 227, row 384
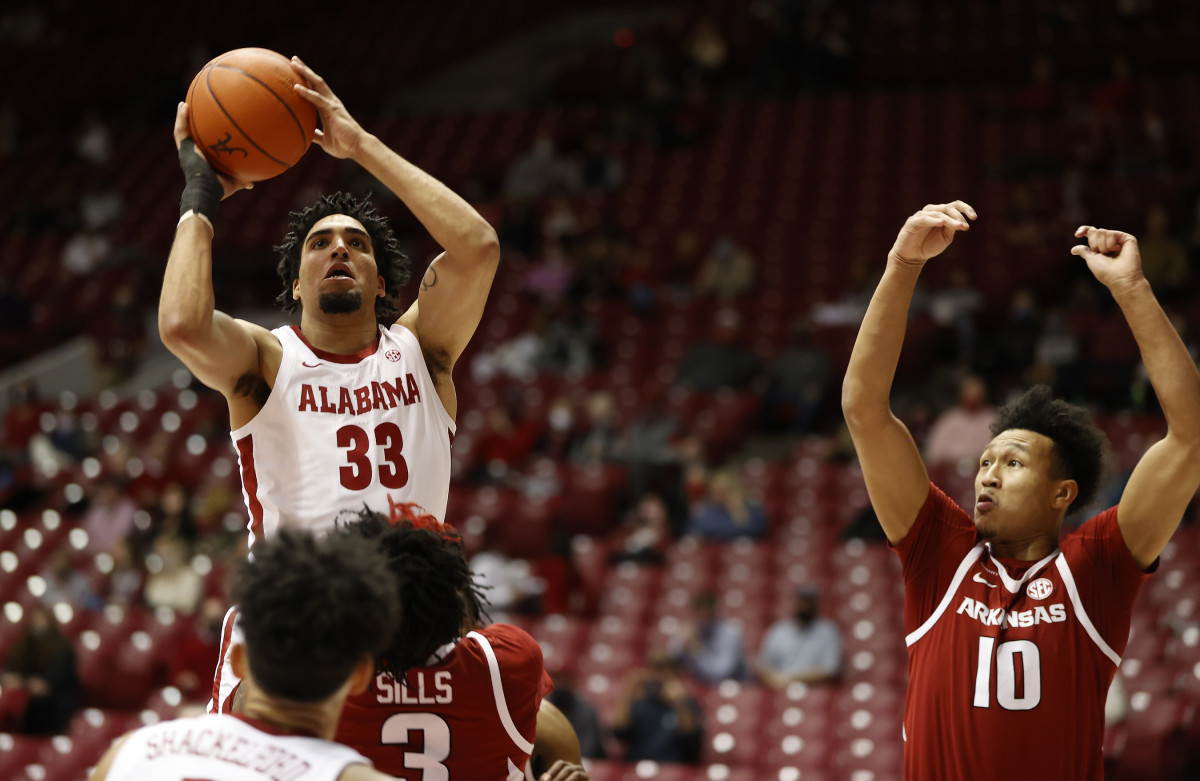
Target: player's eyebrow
column 347, row 229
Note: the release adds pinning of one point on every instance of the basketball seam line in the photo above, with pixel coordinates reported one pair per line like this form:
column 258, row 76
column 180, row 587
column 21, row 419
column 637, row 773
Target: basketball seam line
column 245, row 135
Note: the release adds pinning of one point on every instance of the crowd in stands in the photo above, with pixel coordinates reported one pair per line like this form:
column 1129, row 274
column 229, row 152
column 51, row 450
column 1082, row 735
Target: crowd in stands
column 645, row 347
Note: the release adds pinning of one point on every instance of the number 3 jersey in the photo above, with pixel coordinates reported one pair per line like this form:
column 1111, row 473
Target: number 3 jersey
column 342, row 431
column 1009, row 662
column 471, row 715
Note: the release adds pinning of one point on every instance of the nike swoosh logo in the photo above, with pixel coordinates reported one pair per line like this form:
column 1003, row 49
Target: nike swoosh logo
column 311, row 365
column 979, row 579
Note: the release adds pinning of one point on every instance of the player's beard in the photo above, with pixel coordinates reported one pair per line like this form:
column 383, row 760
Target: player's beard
column 340, row 303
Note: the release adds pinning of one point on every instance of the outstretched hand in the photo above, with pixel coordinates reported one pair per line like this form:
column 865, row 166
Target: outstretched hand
column 182, row 133
column 563, row 770
column 1112, row 256
column 340, row 134
column 929, row 232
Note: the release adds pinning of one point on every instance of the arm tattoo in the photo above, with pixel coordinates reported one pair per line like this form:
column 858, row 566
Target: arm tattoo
column 430, row 279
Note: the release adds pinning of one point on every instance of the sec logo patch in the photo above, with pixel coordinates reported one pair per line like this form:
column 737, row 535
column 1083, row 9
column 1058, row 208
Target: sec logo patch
column 392, row 355
column 1040, row 588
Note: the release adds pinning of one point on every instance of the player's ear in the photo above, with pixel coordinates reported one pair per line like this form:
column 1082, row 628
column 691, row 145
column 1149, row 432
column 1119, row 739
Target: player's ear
column 1065, row 493
column 237, row 659
column 296, row 289
column 382, row 291
column 364, row 671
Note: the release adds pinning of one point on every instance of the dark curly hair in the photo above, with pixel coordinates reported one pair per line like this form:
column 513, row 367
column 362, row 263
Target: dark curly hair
column 311, row 610
column 436, row 587
column 394, row 265
column 1079, row 445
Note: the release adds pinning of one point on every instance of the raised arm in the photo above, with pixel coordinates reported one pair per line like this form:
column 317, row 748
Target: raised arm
column 218, row 349
column 891, row 462
column 455, row 287
column 1168, row 474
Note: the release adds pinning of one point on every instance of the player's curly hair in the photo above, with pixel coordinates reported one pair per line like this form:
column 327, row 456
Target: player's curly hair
column 312, row 610
column 1079, row 445
column 394, row 265
column 437, row 591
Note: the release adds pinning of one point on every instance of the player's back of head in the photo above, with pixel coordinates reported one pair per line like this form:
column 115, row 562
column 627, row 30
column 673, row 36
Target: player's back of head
column 437, row 592
column 311, row 610
column 1079, row 445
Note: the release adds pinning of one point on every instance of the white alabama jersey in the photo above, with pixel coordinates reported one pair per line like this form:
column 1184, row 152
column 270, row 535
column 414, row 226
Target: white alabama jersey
column 342, row 431
column 227, row 748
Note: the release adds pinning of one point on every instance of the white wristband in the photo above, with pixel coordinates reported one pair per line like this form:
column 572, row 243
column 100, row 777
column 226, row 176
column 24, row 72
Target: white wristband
column 194, row 213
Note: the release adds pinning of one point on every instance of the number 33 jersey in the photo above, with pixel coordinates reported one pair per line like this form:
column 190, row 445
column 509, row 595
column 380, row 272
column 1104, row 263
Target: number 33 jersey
column 472, row 715
column 342, row 431
column 1009, row 662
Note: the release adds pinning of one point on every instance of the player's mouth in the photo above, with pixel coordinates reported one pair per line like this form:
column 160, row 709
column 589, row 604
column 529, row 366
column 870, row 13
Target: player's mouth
column 339, row 272
column 985, row 503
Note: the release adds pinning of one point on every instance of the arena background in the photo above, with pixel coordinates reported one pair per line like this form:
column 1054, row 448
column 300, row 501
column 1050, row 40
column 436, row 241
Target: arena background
column 729, row 162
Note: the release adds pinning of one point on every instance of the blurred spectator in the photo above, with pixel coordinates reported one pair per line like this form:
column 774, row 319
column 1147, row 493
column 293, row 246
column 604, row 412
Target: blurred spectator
column 109, row 516
column 173, row 583
column 506, row 442
column 519, row 357
column 728, row 271
column 558, row 437
column 710, row 648
column 727, row 513
column 549, row 277
column 961, row 432
column 656, row 717
column 1164, row 258
column 802, row 647
column 85, row 252
column 571, row 343
column 94, row 142
column 65, row 583
column 192, row 664
column 173, row 515
column 560, row 223
column 645, row 534
column 598, row 436
column 582, row 714
column 721, row 361
column 537, row 171
column 562, row 586
column 509, row 584
column 797, row 381
column 953, row 308
column 42, row 665
column 125, row 581
column 600, row 170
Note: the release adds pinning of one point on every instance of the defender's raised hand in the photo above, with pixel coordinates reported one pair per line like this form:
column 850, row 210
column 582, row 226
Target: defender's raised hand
column 340, row 134
column 927, row 233
column 1112, row 256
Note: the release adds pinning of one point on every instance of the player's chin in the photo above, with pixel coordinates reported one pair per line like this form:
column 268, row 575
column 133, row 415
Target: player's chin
column 985, row 526
column 340, row 302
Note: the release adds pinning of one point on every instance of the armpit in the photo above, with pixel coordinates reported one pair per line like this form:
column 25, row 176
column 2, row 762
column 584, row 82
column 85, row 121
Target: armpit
column 253, row 387
column 437, row 360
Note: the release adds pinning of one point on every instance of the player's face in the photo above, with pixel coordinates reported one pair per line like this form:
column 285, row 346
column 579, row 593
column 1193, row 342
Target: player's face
column 1015, row 497
column 337, row 266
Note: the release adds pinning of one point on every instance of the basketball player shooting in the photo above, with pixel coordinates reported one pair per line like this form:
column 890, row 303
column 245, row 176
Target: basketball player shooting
column 1014, row 633
column 356, row 405
column 315, row 613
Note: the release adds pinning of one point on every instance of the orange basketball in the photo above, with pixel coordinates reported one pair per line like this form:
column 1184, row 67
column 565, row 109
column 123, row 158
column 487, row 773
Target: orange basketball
column 246, row 118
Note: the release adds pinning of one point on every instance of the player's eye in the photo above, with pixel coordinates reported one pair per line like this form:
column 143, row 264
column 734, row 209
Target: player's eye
column 356, row 242
column 1014, row 462
column 318, row 243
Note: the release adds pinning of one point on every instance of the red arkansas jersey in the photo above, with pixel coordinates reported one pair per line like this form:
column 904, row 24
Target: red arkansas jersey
column 338, row 432
column 472, row 716
column 1009, row 662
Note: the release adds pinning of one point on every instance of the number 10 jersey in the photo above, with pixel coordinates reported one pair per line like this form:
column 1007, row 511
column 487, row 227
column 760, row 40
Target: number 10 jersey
column 1010, row 662
column 342, row 431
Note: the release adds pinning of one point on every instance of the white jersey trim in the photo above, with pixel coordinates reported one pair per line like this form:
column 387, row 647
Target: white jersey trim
column 971, row 557
column 1014, row 585
column 498, row 690
column 1084, row 620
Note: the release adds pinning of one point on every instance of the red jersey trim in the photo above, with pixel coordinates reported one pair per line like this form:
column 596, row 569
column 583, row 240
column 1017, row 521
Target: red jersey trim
column 245, row 447
column 971, row 557
column 272, row 729
column 324, row 355
column 498, row 691
column 215, row 705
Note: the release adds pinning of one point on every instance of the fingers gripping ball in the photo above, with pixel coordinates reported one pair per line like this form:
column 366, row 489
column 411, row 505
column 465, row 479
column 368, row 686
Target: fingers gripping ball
column 246, row 117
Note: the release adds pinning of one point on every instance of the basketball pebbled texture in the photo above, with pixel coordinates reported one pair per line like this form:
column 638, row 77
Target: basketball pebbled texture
column 245, row 116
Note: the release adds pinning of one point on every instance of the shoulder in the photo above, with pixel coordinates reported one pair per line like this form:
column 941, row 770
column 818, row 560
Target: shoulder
column 513, row 641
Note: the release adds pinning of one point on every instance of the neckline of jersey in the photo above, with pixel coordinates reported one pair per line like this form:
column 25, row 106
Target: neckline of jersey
column 325, row 355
